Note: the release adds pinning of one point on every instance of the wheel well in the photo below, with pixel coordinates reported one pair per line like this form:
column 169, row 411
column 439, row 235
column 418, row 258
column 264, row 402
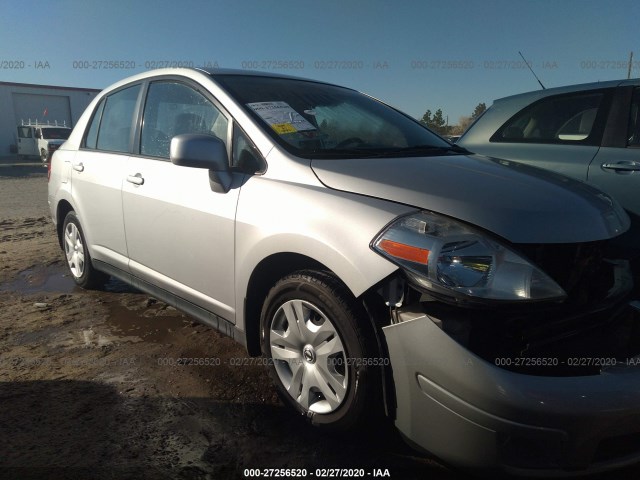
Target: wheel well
column 263, row 278
column 64, row 207
column 278, row 266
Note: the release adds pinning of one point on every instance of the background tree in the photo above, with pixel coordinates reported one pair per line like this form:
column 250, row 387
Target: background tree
column 426, row 118
column 435, row 121
column 439, row 125
column 479, row 110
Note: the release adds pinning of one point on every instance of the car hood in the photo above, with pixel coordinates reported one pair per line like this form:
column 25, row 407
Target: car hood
column 520, row 203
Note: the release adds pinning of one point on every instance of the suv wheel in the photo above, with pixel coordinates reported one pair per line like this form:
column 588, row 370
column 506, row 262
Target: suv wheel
column 318, row 352
column 77, row 254
column 43, row 155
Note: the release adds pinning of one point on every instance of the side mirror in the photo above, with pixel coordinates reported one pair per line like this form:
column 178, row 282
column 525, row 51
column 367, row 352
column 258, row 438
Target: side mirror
column 203, row 151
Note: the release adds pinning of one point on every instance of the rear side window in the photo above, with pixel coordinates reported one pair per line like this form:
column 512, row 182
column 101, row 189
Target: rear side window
column 114, row 133
column 172, row 109
column 558, row 119
column 91, row 139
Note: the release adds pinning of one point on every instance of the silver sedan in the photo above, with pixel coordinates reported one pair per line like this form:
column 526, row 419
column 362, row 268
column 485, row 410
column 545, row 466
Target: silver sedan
column 381, row 271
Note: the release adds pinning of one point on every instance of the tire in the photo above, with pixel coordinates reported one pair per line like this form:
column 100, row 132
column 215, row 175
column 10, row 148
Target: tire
column 43, row 156
column 77, row 255
column 317, row 346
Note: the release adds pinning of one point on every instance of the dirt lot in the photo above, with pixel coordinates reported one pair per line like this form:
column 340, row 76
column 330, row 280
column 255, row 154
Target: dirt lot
column 89, row 386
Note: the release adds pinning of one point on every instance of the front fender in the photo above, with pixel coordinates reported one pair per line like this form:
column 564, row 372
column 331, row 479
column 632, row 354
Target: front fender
column 331, row 227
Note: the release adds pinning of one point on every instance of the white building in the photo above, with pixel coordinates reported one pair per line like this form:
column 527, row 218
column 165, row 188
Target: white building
column 42, row 103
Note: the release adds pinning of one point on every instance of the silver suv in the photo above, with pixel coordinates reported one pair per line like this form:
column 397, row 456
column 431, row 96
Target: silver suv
column 478, row 303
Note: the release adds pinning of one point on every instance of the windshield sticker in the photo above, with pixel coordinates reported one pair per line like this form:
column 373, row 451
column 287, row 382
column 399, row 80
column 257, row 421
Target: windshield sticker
column 281, row 117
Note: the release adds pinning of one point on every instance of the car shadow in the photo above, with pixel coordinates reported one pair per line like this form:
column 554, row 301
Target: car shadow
column 83, row 429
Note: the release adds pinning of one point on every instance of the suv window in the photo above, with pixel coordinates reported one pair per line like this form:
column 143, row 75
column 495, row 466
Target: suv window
column 557, row 119
column 117, row 119
column 172, row 109
column 633, row 134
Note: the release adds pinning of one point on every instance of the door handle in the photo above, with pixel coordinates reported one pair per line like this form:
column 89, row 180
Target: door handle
column 135, row 179
column 624, row 166
column 78, row 167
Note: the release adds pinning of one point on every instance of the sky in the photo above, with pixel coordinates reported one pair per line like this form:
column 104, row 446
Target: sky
column 415, row 55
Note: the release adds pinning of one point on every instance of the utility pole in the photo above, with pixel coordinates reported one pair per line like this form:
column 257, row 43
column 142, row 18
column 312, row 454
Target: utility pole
column 630, row 63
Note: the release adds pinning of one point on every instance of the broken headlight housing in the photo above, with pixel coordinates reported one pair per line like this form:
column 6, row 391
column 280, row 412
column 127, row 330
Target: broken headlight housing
column 447, row 257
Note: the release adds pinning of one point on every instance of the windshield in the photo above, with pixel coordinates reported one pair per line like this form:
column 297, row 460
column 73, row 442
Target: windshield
column 315, row 120
column 56, row 133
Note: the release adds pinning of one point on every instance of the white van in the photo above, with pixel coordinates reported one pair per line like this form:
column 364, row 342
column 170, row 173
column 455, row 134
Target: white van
column 41, row 140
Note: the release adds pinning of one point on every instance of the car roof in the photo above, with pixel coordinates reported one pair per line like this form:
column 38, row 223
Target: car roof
column 211, row 73
column 221, row 72
column 567, row 89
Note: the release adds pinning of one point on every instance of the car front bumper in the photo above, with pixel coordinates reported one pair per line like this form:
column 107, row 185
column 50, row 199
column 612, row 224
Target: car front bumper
column 474, row 414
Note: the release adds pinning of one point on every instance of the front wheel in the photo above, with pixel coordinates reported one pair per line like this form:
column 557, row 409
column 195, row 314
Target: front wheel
column 320, row 350
column 77, row 255
column 43, row 156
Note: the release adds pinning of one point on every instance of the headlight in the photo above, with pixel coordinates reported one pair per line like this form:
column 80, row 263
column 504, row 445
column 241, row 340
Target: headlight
column 448, row 257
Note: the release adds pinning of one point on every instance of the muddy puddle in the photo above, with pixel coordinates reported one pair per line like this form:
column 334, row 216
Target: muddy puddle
column 55, row 278
column 133, row 315
column 50, row 278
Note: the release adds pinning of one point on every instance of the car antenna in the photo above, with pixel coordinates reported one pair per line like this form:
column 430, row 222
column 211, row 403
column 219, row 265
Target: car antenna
column 534, row 73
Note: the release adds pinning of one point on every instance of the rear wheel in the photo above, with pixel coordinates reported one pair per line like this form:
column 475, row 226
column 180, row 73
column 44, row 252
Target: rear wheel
column 77, row 255
column 321, row 358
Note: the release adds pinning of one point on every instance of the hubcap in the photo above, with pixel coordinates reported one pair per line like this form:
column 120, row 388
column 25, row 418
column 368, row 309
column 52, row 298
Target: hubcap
column 74, row 250
column 308, row 356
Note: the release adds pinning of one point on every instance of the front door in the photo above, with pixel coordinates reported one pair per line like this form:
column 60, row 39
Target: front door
column 180, row 233
column 27, row 143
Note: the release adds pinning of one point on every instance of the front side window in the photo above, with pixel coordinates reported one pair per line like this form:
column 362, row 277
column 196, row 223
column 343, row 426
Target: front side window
column 557, row 119
column 114, row 134
column 315, row 120
column 245, row 157
column 172, row 109
column 24, row 132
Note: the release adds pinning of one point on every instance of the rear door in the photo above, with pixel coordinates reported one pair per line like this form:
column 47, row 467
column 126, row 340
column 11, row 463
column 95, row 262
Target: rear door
column 616, row 168
column 180, row 233
column 97, row 175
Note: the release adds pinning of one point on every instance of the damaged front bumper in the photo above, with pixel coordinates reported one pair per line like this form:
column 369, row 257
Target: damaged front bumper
column 527, row 414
